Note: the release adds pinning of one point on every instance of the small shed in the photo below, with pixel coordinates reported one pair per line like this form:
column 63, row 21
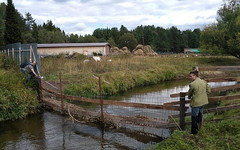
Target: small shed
column 191, row 50
column 70, row 48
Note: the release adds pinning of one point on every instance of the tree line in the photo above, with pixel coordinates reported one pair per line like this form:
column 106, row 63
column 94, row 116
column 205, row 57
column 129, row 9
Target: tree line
column 18, row 28
column 222, row 37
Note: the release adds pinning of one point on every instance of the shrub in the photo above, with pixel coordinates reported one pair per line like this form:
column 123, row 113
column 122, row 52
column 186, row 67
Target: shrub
column 16, row 101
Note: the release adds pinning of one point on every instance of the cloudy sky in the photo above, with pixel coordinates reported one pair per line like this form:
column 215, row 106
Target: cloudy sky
column 83, row 16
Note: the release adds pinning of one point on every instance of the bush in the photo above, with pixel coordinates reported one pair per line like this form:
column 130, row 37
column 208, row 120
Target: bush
column 8, row 62
column 15, row 100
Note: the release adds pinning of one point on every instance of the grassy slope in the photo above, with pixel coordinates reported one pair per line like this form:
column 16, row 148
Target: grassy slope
column 221, row 135
column 128, row 72
column 122, row 72
column 15, row 100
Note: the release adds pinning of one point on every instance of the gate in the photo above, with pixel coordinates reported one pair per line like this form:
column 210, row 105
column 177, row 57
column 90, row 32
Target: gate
column 23, row 53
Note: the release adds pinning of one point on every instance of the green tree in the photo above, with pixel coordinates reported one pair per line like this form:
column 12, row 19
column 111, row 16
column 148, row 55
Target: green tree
column 175, row 39
column 73, row 38
column 112, row 42
column 35, row 32
column 160, row 40
column 138, row 33
column 229, row 21
column 12, row 25
column 2, row 23
column 89, row 39
column 225, row 34
column 148, row 32
column 115, row 34
column 98, row 33
column 29, row 21
column 123, row 30
column 128, row 40
column 212, row 40
column 27, row 34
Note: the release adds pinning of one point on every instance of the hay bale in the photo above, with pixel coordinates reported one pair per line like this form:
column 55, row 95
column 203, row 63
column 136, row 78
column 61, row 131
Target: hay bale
column 139, row 46
column 125, row 50
column 144, row 51
column 138, row 52
column 114, row 49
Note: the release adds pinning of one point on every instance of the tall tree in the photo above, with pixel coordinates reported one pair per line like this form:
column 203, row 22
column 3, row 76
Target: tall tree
column 226, row 33
column 175, row 39
column 12, row 25
column 138, row 33
column 115, row 34
column 160, row 40
column 123, row 30
column 211, row 40
column 2, row 23
column 128, row 40
column 29, row 21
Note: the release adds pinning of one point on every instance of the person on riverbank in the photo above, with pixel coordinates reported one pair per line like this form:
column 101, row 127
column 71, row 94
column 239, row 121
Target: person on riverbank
column 198, row 90
column 28, row 69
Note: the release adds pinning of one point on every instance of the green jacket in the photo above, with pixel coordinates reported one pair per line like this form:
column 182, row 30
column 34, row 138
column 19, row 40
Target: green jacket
column 198, row 90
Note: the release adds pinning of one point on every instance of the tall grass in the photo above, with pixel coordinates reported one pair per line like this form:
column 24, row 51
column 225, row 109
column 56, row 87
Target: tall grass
column 123, row 72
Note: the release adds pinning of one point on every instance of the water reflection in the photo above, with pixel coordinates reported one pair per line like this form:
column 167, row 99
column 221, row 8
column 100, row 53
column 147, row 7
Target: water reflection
column 53, row 131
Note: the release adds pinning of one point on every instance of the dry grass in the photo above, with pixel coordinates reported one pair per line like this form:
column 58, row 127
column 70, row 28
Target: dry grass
column 123, row 72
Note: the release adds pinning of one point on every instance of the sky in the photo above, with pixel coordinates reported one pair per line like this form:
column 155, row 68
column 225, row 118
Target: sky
column 84, row 16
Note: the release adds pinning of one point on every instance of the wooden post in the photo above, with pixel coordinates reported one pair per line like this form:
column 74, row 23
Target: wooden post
column 40, row 89
column 60, row 78
column 182, row 110
column 20, row 55
column 13, row 53
column 101, row 101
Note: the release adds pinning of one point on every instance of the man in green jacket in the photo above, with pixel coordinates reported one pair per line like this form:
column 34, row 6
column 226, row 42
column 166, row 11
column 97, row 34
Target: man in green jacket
column 198, row 90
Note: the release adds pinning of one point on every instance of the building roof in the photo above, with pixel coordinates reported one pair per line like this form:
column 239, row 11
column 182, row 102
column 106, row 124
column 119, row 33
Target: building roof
column 72, row 45
column 192, row 50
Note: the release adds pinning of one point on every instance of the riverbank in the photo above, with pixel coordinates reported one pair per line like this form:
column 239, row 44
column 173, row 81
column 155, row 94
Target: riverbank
column 214, row 134
column 121, row 73
column 16, row 100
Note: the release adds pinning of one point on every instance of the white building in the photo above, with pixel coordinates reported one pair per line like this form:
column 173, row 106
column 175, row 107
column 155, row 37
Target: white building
column 70, row 48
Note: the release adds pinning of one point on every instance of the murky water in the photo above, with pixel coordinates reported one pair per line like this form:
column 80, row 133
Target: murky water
column 52, row 131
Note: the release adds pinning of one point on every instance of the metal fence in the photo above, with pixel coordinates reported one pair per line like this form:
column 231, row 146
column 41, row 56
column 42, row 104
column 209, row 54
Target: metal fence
column 23, row 53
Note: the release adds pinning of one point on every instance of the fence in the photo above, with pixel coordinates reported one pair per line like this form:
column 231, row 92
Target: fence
column 183, row 101
column 149, row 114
column 141, row 113
column 23, row 53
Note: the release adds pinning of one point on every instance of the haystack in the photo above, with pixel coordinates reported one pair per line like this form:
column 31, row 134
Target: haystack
column 144, row 51
column 117, row 51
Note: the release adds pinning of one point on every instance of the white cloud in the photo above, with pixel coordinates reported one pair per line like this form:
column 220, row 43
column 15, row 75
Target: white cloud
column 83, row 16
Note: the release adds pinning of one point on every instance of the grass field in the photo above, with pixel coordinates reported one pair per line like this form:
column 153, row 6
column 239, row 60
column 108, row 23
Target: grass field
column 120, row 73
column 214, row 135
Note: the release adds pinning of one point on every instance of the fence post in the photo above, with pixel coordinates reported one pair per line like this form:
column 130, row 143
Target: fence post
column 60, row 78
column 101, row 101
column 40, row 89
column 20, row 55
column 182, row 111
column 13, row 53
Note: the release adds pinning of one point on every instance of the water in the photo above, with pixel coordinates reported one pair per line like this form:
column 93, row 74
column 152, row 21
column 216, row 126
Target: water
column 50, row 130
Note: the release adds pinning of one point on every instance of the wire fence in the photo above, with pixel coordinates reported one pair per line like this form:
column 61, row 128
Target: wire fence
column 23, row 53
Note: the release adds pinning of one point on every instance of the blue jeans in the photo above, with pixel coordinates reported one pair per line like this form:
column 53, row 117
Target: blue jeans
column 196, row 116
column 28, row 76
column 23, row 70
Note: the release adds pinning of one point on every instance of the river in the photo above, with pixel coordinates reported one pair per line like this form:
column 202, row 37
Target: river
column 52, row 131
